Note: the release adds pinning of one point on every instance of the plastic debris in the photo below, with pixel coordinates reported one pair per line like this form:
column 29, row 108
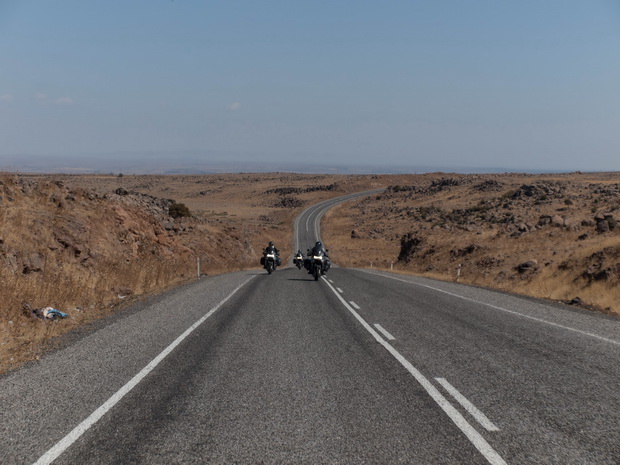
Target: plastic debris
column 51, row 313
column 46, row 313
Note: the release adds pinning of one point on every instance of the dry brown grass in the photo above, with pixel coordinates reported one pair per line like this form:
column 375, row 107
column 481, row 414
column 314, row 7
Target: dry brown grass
column 451, row 218
column 85, row 296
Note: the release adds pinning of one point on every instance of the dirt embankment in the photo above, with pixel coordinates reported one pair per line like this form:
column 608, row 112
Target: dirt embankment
column 549, row 236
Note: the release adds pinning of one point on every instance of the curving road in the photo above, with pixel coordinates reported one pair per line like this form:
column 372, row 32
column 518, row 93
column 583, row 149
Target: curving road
column 307, row 226
column 361, row 367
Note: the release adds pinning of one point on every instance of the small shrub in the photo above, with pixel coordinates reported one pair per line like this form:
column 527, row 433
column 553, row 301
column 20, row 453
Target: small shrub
column 179, row 210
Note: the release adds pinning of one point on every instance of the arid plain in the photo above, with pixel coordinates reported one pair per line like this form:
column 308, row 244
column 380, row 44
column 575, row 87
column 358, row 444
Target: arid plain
column 89, row 245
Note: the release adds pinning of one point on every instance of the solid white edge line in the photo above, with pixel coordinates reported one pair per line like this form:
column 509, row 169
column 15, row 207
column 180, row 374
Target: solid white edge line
column 467, row 405
column 474, row 437
column 540, row 320
column 354, row 305
column 387, row 335
column 53, row 453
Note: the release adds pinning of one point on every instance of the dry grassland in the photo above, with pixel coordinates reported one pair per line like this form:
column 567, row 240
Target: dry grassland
column 549, row 236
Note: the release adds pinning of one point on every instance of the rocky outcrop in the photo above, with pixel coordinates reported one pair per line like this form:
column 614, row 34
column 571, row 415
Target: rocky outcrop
column 79, row 227
column 539, row 191
column 409, row 246
column 603, row 265
column 289, row 202
column 490, row 185
column 301, row 190
column 605, row 222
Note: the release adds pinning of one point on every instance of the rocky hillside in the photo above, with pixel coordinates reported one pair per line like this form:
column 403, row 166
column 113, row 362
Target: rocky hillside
column 555, row 237
column 86, row 245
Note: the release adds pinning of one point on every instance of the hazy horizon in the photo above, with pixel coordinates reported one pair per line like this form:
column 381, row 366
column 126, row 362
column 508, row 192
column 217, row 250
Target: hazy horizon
column 171, row 163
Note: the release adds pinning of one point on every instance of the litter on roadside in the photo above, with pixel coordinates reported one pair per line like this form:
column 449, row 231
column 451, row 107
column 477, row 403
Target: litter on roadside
column 46, row 313
column 51, row 313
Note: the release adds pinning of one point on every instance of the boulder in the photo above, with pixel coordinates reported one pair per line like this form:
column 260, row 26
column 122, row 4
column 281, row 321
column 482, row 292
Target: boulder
column 32, row 263
column 602, row 226
column 465, row 251
column 557, row 220
column 544, row 220
column 530, row 265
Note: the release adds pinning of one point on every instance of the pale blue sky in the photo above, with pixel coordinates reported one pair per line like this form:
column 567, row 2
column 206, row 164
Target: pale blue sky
column 518, row 85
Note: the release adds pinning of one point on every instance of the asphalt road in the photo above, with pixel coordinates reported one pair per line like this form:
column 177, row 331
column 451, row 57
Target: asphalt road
column 360, row 367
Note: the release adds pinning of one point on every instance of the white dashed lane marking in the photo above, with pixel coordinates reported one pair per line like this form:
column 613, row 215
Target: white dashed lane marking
column 387, row 335
column 467, row 405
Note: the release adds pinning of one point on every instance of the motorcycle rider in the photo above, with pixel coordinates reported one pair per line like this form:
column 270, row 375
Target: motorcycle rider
column 272, row 249
column 318, row 249
column 298, row 260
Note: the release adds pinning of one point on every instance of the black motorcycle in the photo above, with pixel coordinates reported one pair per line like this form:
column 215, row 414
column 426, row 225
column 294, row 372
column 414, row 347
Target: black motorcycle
column 298, row 260
column 317, row 265
column 269, row 262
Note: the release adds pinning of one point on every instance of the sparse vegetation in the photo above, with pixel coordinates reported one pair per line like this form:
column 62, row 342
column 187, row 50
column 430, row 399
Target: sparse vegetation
column 520, row 238
column 179, row 210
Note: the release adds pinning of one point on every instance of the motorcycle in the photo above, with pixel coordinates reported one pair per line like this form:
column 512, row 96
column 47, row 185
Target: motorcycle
column 317, row 265
column 269, row 262
column 298, row 260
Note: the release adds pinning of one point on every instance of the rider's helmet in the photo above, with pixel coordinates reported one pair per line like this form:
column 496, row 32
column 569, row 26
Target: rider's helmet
column 270, row 243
